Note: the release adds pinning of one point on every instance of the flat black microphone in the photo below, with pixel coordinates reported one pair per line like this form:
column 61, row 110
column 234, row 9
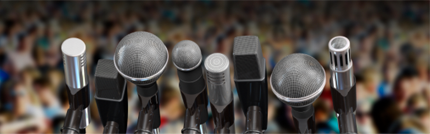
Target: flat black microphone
column 342, row 84
column 75, row 69
column 111, row 97
column 217, row 68
column 141, row 58
column 298, row 80
column 251, row 81
column 187, row 57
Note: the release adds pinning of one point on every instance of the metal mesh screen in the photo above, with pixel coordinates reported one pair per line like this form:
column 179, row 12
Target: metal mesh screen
column 186, row 55
column 296, row 76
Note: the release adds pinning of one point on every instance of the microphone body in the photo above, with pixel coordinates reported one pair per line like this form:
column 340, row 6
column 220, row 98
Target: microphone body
column 342, row 84
column 74, row 59
column 141, row 58
column 251, row 82
column 186, row 56
column 111, row 97
column 220, row 92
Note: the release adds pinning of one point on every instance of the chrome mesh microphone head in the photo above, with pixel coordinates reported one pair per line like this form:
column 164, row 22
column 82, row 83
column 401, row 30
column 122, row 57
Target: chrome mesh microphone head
column 141, row 58
column 186, row 55
column 75, row 64
column 298, row 80
column 218, row 79
column 249, row 62
column 340, row 53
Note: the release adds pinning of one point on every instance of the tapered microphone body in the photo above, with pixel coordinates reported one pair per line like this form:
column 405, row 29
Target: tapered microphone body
column 141, row 58
column 220, row 93
column 187, row 58
column 75, row 69
column 342, row 84
column 111, row 97
column 298, row 80
column 251, row 81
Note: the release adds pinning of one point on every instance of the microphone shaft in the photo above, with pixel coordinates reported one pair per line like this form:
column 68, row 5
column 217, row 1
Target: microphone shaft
column 194, row 95
column 304, row 118
column 345, row 104
column 224, row 120
column 149, row 115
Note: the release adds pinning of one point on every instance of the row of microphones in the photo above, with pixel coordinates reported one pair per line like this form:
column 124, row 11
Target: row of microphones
column 141, row 58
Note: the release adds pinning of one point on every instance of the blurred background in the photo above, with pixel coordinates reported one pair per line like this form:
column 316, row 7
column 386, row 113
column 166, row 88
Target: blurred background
column 389, row 44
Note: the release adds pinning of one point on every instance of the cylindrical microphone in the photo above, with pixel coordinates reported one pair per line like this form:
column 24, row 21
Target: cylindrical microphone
column 298, row 80
column 342, row 84
column 111, row 97
column 141, row 58
column 75, row 69
column 220, row 92
column 251, row 81
column 187, row 57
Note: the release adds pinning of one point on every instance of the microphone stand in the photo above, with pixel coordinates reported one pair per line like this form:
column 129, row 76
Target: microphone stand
column 149, row 116
column 304, row 118
column 76, row 120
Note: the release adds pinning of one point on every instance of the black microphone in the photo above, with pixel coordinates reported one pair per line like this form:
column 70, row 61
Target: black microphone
column 251, row 81
column 217, row 67
column 298, row 80
column 141, row 58
column 111, row 97
column 187, row 57
column 342, row 84
column 75, row 69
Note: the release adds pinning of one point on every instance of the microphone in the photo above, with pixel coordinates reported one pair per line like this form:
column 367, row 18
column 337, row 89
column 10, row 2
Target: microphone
column 187, row 57
column 111, row 97
column 141, row 58
column 298, row 80
column 342, row 84
column 220, row 92
column 75, row 69
column 251, row 81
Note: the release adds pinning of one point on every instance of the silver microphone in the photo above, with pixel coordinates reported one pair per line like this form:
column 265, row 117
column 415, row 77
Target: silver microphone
column 141, row 58
column 187, row 58
column 298, row 80
column 342, row 83
column 75, row 69
column 217, row 68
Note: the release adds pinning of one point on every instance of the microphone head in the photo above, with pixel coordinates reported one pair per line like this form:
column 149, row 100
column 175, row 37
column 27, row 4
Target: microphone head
column 340, row 53
column 248, row 59
column 110, row 85
column 186, row 55
column 141, row 58
column 75, row 61
column 298, row 80
column 218, row 79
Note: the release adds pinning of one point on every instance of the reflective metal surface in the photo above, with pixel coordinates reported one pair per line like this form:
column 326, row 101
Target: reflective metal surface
column 74, row 60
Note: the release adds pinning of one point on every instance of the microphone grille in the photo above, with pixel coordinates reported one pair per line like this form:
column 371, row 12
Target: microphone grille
column 141, row 57
column 298, row 79
column 186, row 55
column 340, row 53
column 248, row 58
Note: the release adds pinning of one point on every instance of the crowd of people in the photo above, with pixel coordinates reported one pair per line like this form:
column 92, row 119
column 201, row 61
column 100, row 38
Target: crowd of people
column 389, row 45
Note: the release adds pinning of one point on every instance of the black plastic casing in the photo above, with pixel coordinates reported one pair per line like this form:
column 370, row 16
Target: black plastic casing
column 254, row 93
column 111, row 97
column 194, row 95
column 304, row 119
column 226, row 124
column 77, row 103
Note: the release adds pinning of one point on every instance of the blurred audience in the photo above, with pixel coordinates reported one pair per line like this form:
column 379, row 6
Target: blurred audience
column 389, row 44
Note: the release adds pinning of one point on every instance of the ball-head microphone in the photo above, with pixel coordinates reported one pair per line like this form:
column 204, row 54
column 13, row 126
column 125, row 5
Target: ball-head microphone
column 298, row 80
column 342, row 84
column 251, row 81
column 187, row 58
column 111, row 97
column 75, row 69
column 220, row 93
column 141, row 58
